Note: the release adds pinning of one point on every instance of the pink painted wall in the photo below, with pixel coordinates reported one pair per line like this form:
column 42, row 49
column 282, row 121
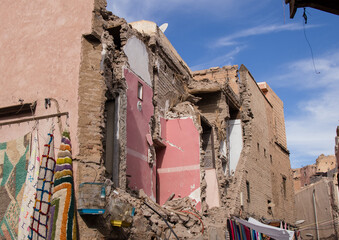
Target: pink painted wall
column 178, row 165
column 40, row 43
column 142, row 175
column 212, row 189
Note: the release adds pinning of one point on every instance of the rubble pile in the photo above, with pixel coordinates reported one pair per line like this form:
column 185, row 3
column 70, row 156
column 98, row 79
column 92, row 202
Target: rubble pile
column 180, row 214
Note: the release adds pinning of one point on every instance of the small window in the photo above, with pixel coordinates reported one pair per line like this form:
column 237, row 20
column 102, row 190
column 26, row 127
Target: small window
column 140, row 93
column 248, row 191
column 269, row 207
column 284, row 186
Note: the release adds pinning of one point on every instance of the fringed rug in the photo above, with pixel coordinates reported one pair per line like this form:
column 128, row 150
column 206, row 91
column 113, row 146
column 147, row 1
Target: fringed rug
column 14, row 156
column 28, row 198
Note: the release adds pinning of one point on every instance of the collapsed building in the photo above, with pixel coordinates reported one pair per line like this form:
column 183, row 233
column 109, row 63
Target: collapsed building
column 144, row 127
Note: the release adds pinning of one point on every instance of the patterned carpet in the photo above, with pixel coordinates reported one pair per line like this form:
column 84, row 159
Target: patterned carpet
column 39, row 225
column 14, row 158
column 63, row 200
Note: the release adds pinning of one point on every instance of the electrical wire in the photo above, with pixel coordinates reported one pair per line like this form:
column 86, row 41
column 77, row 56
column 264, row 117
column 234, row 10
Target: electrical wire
column 308, row 42
column 162, row 219
column 202, row 224
column 309, row 226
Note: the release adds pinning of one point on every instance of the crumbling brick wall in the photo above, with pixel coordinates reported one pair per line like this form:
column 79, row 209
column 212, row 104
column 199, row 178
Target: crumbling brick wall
column 270, row 195
column 172, row 85
column 253, row 170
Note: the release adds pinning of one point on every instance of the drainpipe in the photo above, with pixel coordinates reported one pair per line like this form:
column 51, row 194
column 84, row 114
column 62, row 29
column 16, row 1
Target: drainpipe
column 315, row 215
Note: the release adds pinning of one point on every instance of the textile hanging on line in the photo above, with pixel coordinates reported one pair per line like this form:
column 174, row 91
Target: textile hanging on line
column 14, row 156
column 39, row 223
column 63, row 211
column 268, row 230
column 27, row 205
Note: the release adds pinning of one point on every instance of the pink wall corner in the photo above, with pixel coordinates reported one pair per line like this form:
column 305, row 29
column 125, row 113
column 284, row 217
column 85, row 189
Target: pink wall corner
column 178, row 165
column 142, row 176
column 212, row 189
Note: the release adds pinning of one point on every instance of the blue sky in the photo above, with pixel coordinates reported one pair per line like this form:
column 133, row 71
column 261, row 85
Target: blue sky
column 260, row 35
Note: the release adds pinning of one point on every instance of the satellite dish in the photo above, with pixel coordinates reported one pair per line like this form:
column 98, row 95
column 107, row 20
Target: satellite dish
column 163, row 27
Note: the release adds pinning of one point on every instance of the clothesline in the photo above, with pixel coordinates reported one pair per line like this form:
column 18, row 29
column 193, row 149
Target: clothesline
column 252, row 229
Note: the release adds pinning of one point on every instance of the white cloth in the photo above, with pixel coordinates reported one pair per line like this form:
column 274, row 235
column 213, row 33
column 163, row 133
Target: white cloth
column 274, row 232
column 28, row 198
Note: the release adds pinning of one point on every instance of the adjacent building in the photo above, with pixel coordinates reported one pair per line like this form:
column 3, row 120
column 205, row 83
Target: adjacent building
column 316, row 198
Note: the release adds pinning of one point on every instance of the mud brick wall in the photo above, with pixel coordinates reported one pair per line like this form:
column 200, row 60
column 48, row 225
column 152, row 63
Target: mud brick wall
column 253, row 166
column 92, row 89
column 225, row 75
column 168, row 85
column 278, row 114
column 268, row 198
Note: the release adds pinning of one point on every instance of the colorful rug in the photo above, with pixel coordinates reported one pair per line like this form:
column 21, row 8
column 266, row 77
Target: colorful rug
column 28, row 198
column 14, row 156
column 39, row 223
column 64, row 224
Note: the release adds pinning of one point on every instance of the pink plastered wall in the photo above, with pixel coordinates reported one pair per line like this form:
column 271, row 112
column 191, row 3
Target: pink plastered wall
column 178, row 164
column 140, row 174
column 40, row 43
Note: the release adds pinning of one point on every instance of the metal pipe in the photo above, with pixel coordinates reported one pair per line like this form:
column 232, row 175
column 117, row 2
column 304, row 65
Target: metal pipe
column 315, row 215
column 34, row 118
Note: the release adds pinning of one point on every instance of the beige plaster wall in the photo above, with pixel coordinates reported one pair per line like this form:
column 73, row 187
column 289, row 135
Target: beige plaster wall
column 324, row 206
column 40, row 43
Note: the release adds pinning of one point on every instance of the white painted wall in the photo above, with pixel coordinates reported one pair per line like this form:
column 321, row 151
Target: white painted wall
column 137, row 55
column 235, row 143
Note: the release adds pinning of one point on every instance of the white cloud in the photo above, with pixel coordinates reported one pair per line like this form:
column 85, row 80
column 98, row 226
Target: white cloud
column 220, row 61
column 311, row 131
column 258, row 30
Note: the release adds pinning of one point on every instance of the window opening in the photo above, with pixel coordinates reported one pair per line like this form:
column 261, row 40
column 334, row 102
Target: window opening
column 111, row 141
column 248, row 191
column 269, row 207
column 140, row 90
column 284, row 185
column 208, row 145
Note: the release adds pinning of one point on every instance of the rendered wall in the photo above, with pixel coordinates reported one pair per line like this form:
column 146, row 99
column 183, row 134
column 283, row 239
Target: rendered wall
column 212, row 188
column 178, row 164
column 324, row 210
column 40, row 44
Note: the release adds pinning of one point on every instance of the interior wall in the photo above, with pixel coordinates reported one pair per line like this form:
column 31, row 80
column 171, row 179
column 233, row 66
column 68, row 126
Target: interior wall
column 178, row 164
